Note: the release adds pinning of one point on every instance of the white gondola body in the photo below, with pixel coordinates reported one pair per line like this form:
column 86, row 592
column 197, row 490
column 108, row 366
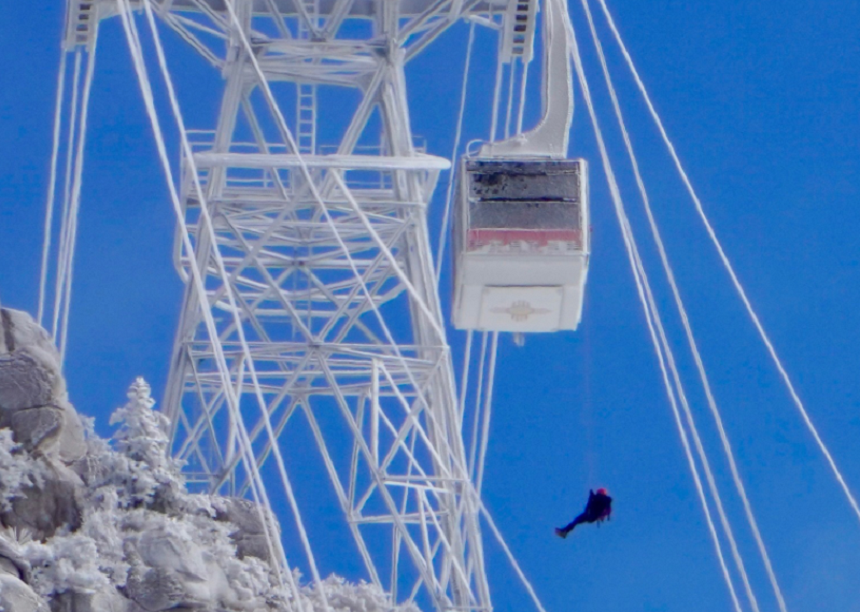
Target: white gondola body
column 521, row 244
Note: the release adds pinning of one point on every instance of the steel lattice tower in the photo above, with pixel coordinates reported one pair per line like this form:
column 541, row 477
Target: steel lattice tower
column 311, row 292
column 315, row 243
column 319, row 279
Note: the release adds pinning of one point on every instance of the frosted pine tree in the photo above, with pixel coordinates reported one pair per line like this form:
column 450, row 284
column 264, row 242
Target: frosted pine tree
column 154, row 477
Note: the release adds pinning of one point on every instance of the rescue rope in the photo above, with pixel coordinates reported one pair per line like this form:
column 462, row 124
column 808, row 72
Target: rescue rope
column 588, row 416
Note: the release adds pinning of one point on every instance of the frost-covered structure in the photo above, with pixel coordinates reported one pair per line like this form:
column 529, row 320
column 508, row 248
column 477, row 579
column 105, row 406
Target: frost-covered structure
column 90, row 526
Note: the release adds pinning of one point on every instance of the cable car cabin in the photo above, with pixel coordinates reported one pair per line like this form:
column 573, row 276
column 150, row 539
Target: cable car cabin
column 521, row 245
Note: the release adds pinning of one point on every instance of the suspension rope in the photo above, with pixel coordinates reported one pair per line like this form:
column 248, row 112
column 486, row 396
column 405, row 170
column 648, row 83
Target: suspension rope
column 75, row 196
column 488, row 403
column 497, row 94
column 464, row 376
column 62, row 254
column 649, row 307
column 690, row 340
column 522, row 106
column 52, row 184
column 730, row 269
column 76, row 192
column 510, row 556
column 699, row 447
column 512, row 73
column 478, row 392
column 446, row 217
column 257, row 489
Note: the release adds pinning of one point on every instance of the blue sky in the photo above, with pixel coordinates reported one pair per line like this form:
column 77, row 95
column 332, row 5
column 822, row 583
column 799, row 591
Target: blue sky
column 763, row 103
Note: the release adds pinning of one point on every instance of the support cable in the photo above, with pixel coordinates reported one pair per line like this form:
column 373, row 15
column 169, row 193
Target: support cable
column 76, row 192
column 522, row 106
column 497, row 94
column 649, row 307
column 512, row 73
column 62, row 253
column 464, row 377
column 452, row 175
column 52, row 184
column 488, row 403
column 693, row 346
column 473, row 447
column 510, row 556
column 730, row 269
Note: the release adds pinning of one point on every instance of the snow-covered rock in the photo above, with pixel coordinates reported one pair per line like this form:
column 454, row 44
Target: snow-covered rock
column 12, row 562
column 248, row 531
column 51, row 503
column 106, row 600
column 17, row 596
column 33, row 398
column 88, row 525
column 29, row 363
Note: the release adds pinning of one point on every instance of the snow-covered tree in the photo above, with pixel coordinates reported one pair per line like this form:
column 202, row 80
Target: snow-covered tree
column 142, row 434
column 153, row 475
column 17, row 469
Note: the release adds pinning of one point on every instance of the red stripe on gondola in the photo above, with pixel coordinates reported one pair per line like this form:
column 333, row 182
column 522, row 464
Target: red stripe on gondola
column 478, row 238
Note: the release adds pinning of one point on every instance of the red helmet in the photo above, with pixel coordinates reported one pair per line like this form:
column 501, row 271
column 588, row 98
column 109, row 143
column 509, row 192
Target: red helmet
column 602, row 491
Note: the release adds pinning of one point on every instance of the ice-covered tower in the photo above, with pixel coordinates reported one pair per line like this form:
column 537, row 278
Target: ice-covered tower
column 305, row 241
column 311, row 315
column 321, row 304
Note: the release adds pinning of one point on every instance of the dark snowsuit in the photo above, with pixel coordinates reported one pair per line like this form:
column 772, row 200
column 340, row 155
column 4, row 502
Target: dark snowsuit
column 598, row 508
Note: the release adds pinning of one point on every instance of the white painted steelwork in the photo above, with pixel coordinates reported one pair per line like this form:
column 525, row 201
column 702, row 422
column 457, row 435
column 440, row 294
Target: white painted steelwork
column 320, row 306
column 326, row 250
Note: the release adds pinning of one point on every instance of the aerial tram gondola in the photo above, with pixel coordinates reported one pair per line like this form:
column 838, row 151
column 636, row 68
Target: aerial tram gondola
column 521, row 240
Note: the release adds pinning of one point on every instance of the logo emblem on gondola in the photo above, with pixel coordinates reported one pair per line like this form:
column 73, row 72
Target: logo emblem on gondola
column 520, row 310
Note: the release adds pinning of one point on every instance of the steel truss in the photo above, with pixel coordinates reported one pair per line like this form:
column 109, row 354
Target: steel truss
column 319, row 296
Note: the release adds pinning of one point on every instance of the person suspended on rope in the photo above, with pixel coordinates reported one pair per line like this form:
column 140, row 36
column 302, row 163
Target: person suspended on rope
column 598, row 509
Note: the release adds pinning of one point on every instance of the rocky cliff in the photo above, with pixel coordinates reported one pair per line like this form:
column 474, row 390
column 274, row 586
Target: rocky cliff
column 92, row 525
